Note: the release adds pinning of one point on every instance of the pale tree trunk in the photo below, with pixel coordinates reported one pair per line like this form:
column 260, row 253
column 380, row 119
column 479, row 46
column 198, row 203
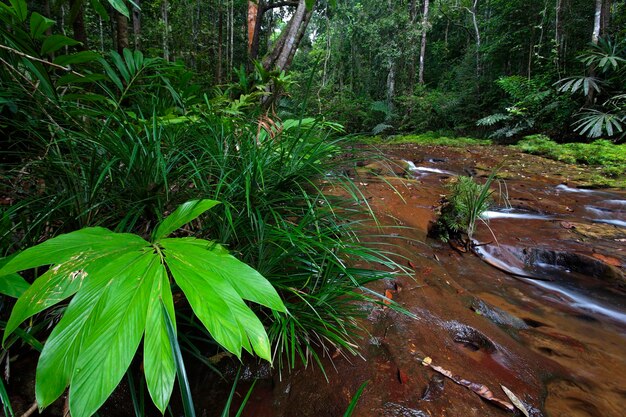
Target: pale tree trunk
column 166, row 29
column 137, row 24
column 122, row 32
column 595, row 36
column 558, row 34
column 284, row 49
column 220, row 39
column 423, row 44
column 391, row 85
column 473, row 11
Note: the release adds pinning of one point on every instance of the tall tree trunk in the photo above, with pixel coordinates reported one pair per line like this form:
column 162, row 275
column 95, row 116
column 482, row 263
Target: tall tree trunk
column 606, row 17
column 473, row 12
column 77, row 17
column 595, row 36
column 220, row 41
column 285, row 47
column 558, row 34
column 423, row 44
column 166, row 29
column 391, row 85
column 137, row 24
column 122, row 32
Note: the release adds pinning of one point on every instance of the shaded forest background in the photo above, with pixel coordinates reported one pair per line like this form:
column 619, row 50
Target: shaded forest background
column 388, row 66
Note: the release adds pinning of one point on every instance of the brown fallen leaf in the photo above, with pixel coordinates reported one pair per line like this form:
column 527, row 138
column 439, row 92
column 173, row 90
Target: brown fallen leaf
column 402, row 376
column 607, row 259
column 516, row 401
column 412, row 265
column 479, row 389
column 389, row 295
column 567, row 225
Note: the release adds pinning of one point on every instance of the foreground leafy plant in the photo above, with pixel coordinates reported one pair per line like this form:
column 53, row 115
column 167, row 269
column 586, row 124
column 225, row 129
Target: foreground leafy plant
column 120, row 283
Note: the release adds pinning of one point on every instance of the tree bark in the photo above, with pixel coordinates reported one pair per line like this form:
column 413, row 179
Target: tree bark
column 78, row 23
column 423, row 44
column 122, row 32
column 473, row 12
column 137, row 24
column 595, row 36
column 220, row 40
column 166, row 29
column 284, row 49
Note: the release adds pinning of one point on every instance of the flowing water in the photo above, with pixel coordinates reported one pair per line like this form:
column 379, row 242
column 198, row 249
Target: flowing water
column 539, row 308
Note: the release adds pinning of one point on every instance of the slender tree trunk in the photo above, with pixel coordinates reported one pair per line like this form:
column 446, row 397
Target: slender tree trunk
column 137, row 24
column 473, row 11
column 391, row 85
column 220, row 41
column 78, row 23
column 122, row 32
column 597, row 17
column 425, row 24
column 606, row 17
column 166, row 29
column 558, row 34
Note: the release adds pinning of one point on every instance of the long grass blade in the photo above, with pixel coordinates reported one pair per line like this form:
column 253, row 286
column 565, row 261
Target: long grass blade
column 183, row 382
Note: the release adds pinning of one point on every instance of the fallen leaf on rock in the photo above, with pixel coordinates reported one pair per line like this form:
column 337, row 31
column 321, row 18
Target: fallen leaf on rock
column 516, row 401
column 412, row 265
column 389, row 295
column 567, row 225
column 479, row 389
column 427, row 361
column 607, row 259
column 402, row 376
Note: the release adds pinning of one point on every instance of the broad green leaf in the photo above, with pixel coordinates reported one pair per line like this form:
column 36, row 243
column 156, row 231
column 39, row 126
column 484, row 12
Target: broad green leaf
column 110, row 72
column 13, row 285
column 78, row 260
column 77, row 58
column 129, row 58
column 120, row 6
column 69, row 79
column 100, row 10
column 182, row 215
column 59, row 356
column 64, row 247
column 112, row 335
column 120, row 64
column 211, row 306
column 158, row 362
column 39, row 24
column 249, row 284
column 55, row 42
column 216, row 303
column 20, row 9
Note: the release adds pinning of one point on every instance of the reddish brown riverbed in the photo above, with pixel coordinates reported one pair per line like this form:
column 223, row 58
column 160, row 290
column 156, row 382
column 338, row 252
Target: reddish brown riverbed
column 558, row 343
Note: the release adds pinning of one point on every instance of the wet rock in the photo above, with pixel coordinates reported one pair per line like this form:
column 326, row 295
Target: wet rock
column 470, row 338
column 397, row 410
column 496, row 315
column 540, row 258
column 434, row 389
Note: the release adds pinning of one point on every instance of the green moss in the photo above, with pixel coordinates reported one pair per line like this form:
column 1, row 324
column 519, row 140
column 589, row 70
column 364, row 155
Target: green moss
column 606, row 159
column 429, row 138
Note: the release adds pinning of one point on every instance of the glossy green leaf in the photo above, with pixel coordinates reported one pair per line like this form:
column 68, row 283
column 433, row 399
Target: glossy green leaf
column 100, row 10
column 247, row 282
column 77, row 58
column 59, row 356
column 55, row 42
column 217, row 304
column 13, row 285
column 120, row 6
column 112, row 335
column 20, row 9
column 39, row 24
column 158, row 360
column 182, row 215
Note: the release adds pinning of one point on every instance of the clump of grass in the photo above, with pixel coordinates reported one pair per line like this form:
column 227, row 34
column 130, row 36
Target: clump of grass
column 463, row 209
column 603, row 154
